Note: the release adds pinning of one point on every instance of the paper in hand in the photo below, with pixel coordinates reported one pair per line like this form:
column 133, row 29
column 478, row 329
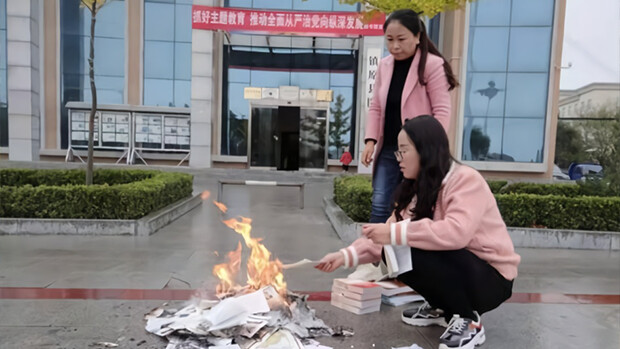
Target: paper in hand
column 302, row 263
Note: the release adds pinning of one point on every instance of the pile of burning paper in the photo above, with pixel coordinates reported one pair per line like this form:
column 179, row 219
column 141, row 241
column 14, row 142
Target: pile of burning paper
column 260, row 319
column 261, row 314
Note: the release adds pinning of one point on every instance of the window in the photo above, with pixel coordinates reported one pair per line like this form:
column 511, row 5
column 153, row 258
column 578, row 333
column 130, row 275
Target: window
column 506, row 91
column 4, row 107
column 322, row 69
column 167, row 52
column 74, row 53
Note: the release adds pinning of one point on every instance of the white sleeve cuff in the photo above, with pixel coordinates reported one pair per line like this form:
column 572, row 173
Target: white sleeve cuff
column 398, row 233
column 351, row 259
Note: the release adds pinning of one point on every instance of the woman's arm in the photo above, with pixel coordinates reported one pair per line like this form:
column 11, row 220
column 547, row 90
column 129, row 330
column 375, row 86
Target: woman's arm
column 437, row 90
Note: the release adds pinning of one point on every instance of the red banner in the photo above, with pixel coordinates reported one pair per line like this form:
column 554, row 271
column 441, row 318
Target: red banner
column 286, row 22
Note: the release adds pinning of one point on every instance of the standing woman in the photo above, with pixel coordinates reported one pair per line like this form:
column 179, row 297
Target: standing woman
column 413, row 80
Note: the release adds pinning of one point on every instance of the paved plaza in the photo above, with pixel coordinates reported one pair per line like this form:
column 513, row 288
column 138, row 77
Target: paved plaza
column 75, row 291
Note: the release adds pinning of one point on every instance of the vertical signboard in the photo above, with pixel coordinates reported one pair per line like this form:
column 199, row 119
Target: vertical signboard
column 371, row 64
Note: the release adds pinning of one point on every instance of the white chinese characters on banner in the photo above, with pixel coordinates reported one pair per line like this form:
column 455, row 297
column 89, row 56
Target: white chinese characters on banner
column 235, row 19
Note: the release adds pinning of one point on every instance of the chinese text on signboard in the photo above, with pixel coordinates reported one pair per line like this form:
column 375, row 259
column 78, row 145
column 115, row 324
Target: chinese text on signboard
column 303, row 23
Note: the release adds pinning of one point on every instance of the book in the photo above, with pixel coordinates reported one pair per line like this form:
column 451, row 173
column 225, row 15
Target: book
column 355, row 296
column 342, row 298
column 365, row 288
column 401, row 299
column 397, row 260
column 370, row 309
column 393, row 287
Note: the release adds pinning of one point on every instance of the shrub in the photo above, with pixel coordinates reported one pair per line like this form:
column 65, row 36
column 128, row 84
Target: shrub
column 118, row 194
column 560, row 212
column 496, row 186
column 354, row 195
column 556, row 206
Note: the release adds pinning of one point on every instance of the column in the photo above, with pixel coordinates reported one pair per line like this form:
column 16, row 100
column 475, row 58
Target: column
column 23, row 79
column 202, row 95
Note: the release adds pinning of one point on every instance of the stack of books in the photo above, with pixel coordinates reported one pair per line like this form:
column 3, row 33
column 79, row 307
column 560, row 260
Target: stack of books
column 396, row 293
column 356, row 296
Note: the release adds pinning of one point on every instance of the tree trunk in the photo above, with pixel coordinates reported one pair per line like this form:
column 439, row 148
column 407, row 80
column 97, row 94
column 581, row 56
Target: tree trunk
column 93, row 90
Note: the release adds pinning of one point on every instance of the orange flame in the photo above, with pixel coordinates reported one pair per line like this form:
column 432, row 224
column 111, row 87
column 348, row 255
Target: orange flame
column 262, row 271
column 221, row 206
column 227, row 272
column 205, row 195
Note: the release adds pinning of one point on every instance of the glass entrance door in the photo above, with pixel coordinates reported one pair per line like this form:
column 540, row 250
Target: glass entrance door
column 275, row 137
column 313, row 133
column 288, row 137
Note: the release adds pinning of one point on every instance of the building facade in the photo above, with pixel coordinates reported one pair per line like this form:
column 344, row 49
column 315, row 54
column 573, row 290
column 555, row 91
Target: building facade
column 574, row 104
column 262, row 98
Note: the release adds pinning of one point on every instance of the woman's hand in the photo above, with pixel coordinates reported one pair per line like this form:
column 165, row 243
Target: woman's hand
column 331, row 262
column 367, row 153
column 379, row 233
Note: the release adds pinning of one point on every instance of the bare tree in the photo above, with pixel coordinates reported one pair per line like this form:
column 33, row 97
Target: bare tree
column 93, row 6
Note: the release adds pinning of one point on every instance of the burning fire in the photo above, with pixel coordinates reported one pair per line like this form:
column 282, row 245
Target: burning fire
column 262, row 271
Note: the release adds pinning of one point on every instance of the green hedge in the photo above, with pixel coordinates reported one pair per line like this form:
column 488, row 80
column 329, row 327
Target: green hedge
column 496, row 186
column 118, row 194
column 560, row 212
column 354, row 195
column 533, row 207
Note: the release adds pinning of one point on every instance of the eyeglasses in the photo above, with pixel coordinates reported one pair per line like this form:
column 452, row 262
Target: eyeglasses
column 399, row 154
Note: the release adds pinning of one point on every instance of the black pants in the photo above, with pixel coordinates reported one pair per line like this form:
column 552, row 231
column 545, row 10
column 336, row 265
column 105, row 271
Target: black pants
column 458, row 282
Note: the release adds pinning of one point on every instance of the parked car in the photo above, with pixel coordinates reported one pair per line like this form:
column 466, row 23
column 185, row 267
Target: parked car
column 558, row 174
column 579, row 171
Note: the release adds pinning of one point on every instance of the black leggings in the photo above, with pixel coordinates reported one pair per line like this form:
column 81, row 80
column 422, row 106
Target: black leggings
column 458, row 282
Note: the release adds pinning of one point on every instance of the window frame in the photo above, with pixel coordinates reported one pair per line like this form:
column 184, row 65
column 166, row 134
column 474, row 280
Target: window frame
column 505, row 166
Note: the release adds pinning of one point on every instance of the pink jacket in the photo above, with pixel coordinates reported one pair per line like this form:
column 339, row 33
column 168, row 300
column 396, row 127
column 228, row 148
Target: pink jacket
column 431, row 99
column 466, row 216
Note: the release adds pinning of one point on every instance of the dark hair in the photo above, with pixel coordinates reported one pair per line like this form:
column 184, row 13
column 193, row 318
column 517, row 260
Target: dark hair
column 431, row 143
column 411, row 20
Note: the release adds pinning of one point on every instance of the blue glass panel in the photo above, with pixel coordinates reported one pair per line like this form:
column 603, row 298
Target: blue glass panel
column 488, row 49
column 186, row 2
column 271, row 4
column 2, row 48
column 158, row 92
column 490, row 13
column 3, row 14
column 526, row 95
column 236, row 103
column 486, row 93
column 523, row 139
column 308, row 80
column 158, row 59
column 265, row 78
column 239, row 3
column 158, row 21
column 239, row 75
column 109, row 56
column 110, row 20
column 340, row 137
column 341, row 79
column 482, row 139
column 182, row 93
column 3, row 89
column 183, row 23
column 109, row 89
column 313, row 5
column 530, row 49
column 183, row 61
column 338, row 7
column 532, row 12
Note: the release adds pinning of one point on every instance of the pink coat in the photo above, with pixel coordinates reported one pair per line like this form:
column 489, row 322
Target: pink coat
column 466, row 216
column 431, row 99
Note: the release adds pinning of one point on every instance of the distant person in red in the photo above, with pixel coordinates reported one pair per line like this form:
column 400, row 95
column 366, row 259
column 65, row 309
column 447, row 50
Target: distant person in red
column 346, row 159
